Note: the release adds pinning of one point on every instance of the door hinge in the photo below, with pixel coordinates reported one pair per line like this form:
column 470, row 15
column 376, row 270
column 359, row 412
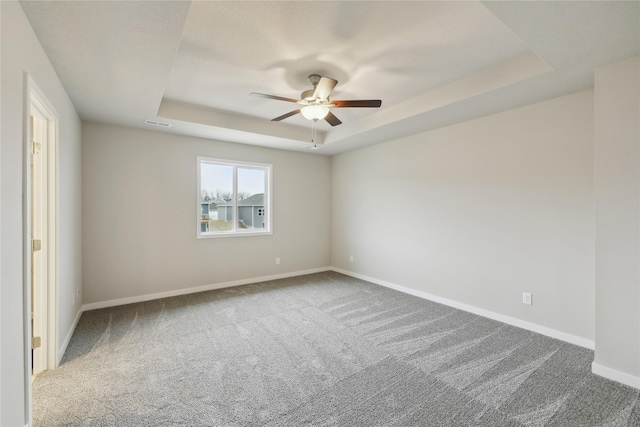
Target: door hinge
column 35, row 147
column 35, row 342
column 36, row 245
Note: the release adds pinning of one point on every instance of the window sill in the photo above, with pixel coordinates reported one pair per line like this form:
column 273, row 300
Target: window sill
column 233, row 234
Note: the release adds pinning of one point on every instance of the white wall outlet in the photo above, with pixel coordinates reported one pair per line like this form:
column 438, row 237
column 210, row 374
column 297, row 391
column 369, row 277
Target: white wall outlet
column 526, row 298
column 350, row 258
column 278, row 261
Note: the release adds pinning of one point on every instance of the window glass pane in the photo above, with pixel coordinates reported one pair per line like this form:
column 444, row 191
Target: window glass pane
column 216, row 193
column 233, row 198
column 251, row 198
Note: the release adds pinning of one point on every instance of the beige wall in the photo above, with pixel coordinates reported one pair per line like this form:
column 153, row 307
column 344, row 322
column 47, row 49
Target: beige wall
column 21, row 52
column 479, row 213
column 139, row 215
column 617, row 202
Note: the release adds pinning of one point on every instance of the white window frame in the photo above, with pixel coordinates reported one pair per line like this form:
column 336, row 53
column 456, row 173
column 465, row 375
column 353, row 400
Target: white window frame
column 268, row 229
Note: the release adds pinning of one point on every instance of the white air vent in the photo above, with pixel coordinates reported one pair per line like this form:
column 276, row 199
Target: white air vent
column 155, row 123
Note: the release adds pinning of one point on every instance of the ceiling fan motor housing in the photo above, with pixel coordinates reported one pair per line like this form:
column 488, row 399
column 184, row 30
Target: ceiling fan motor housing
column 307, row 95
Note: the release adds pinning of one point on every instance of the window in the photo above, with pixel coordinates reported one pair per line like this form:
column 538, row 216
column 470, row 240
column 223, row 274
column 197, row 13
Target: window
column 234, row 198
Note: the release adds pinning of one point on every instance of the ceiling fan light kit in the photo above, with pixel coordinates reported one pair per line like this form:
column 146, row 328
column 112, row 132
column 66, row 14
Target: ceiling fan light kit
column 314, row 112
column 316, row 104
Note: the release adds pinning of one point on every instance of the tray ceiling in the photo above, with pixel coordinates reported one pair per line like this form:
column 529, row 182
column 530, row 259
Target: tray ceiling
column 193, row 64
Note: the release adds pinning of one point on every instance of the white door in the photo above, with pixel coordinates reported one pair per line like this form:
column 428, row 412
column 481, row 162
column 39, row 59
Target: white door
column 39, row 241
column 42, row 233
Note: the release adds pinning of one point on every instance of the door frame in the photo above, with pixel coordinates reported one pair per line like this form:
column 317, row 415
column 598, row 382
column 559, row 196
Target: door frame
column 35, row 99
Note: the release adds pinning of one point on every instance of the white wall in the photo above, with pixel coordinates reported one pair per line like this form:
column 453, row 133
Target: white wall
column 617, row 202
column 480, row 212
column 139, row 215
column 21, row 52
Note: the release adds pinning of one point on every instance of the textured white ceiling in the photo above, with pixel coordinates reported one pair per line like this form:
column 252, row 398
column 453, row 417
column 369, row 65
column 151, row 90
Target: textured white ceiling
column 193, row 64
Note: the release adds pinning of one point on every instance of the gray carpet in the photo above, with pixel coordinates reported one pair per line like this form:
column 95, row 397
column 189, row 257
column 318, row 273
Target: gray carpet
column 323, row 350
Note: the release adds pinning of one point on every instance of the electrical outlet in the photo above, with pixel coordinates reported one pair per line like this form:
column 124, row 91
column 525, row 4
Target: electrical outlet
column 526, row 298
column 278, row 261
column 350, row 258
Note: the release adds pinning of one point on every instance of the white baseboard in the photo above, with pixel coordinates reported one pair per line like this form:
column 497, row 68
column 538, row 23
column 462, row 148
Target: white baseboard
column 64, row 345
column 582, row 342
column 614, row 375
column 149, row 297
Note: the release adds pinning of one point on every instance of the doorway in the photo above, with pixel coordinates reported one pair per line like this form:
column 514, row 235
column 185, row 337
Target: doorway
column 41, row 222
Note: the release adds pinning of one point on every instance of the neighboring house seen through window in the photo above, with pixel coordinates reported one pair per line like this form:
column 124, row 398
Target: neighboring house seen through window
column 234, row 198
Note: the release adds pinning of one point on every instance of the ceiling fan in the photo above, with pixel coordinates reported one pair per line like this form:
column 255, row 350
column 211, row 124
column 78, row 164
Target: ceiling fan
column 316, row 103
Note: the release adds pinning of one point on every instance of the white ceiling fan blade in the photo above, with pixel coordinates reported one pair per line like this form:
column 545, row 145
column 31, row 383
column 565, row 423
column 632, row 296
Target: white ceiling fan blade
column 324, row 88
